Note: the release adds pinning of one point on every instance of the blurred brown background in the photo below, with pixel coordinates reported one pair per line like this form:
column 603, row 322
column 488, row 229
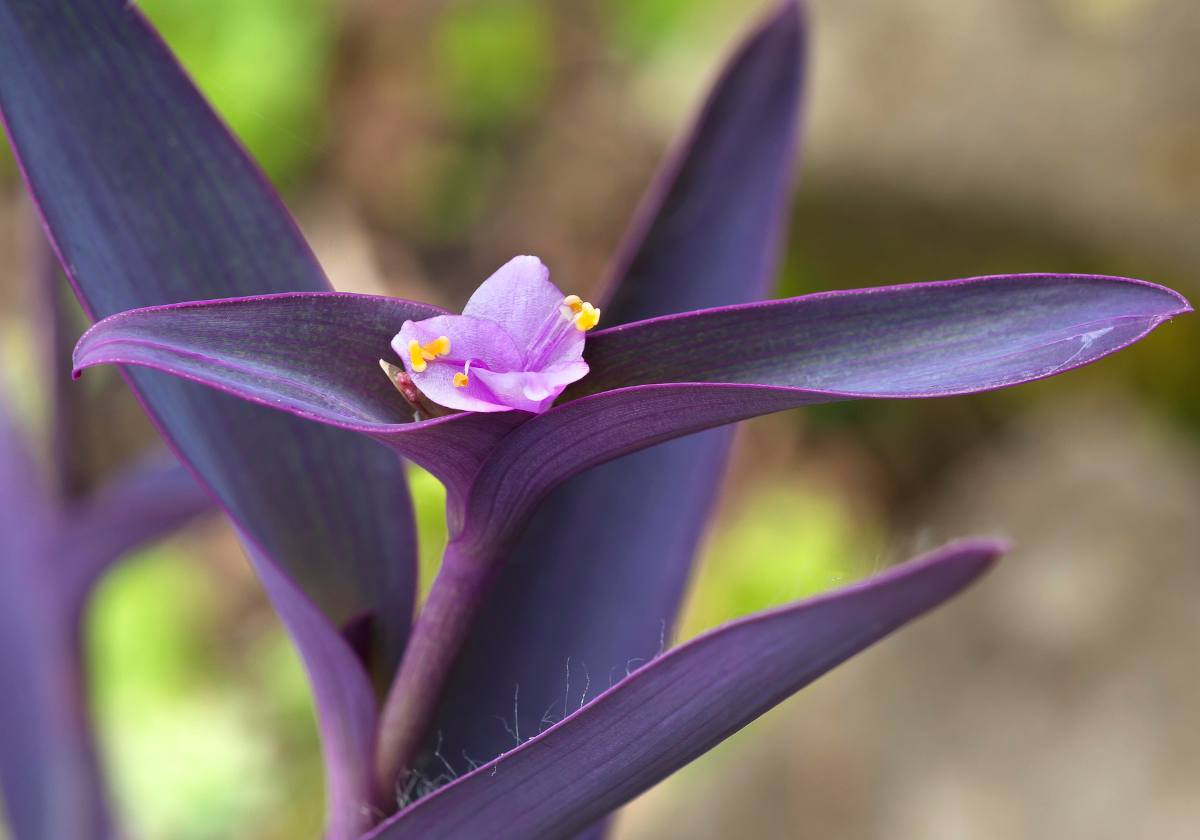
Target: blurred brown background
column 424, row 143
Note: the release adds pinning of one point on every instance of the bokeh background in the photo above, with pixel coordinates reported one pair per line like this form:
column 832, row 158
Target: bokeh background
column 424, row 143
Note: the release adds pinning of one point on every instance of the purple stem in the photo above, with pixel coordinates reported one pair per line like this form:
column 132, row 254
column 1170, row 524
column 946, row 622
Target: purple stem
column 458, row 593
column 49, row 772
column 85, row 784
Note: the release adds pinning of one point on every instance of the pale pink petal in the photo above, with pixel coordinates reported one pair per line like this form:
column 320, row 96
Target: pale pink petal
column 533, row 391
column 518, row 296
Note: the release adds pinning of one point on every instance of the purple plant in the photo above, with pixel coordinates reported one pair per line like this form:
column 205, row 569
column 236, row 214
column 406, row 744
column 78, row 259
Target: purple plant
column 563, row 553
column 58, row 535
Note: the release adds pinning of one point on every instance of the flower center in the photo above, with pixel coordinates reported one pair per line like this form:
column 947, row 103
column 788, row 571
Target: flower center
column 422, row 354
column 572, row 312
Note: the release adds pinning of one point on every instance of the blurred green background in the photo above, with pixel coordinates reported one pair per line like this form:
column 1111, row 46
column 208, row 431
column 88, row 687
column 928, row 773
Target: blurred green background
column 422, row 144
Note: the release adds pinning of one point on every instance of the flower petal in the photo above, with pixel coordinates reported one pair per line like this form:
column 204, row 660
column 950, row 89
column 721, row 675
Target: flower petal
column 532, row 390
column 678, row 706
column 518, row 297
column 471, row 338
column 479, row 341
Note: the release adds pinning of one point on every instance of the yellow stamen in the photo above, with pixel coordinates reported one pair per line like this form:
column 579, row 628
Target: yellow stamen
column 416, row 356
column 419, row 355
column 586, row 315
column 460, row 380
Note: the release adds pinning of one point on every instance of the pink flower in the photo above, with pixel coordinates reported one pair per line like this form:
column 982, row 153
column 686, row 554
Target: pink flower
column 518, row 344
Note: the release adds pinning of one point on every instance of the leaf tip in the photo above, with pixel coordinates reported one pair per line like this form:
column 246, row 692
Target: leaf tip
column 973, row 556
column 787, row 15
column 985, row 549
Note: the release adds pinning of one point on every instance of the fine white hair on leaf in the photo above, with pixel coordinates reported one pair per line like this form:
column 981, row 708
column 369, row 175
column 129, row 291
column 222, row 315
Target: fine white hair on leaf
column 516, row 714
column 437, row 753
column 547, row 720
column 419, row 785
column 566, row 689
column 513, row 731
column 586, row 685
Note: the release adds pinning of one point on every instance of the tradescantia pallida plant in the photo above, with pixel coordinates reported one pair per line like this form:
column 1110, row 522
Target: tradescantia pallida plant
column 59, row 533
column 574, row 499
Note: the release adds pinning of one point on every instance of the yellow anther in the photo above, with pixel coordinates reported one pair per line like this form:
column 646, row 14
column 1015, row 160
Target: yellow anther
column 587, row 317
column 420, row 354
column 416, row 355
column 460, row 380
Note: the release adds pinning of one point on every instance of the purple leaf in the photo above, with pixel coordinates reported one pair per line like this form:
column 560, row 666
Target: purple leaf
column 651, row 381
column 679, row 374
column 566, row 608
column 148, row 199
column 680, row 705
column 710, row 225
column 918, row 340
column 315, row 355
column 343, row 695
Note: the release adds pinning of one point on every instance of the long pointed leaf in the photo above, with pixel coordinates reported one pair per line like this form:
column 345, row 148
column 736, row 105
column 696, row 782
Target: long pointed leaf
column 668, row 376
column 148, row 199
column 679, row 374
column 679, row 706
column 565, row 612
column 921, row 339
column 315, row 355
